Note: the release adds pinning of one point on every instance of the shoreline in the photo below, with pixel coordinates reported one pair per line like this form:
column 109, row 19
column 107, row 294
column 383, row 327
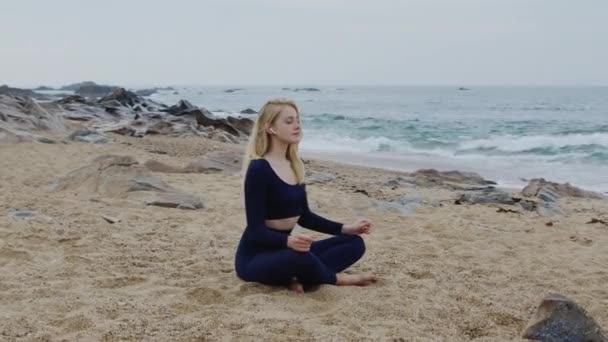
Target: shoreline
column 396, row 163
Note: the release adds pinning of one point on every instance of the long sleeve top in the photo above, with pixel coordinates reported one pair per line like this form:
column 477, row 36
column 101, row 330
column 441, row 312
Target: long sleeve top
column 268, row 197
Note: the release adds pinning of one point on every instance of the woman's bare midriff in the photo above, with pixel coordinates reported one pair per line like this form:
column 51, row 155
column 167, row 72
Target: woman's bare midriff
column 283, row 224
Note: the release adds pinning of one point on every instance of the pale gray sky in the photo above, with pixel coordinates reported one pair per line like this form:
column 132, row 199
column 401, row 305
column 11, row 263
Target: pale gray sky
column 307, row 42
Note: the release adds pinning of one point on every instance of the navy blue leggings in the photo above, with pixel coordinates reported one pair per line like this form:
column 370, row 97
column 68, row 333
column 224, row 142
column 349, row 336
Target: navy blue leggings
column 319, row 266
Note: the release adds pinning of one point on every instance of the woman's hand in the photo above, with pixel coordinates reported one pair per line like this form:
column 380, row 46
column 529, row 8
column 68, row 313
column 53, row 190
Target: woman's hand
column 299, row 242
column 362, row 226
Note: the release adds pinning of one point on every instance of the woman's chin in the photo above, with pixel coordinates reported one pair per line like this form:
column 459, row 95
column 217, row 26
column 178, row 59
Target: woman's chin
column 295, row 140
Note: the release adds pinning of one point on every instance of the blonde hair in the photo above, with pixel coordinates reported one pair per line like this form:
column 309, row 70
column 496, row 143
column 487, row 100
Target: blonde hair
column 259, row 139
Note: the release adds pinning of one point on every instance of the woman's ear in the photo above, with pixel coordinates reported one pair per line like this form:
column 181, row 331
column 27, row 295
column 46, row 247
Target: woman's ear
column 271, row 131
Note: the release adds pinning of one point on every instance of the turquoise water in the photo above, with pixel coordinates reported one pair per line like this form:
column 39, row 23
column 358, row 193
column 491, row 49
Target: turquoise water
column 503, row 133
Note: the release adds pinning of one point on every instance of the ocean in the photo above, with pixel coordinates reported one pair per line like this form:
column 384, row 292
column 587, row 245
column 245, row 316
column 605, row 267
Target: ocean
column 506, row 134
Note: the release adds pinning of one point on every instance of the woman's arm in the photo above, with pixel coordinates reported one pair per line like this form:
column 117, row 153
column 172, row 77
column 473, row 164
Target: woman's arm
column 256, row 192
column 312, row 221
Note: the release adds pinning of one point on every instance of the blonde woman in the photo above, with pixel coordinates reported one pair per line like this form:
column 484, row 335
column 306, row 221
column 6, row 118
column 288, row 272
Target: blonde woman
column 275, row 200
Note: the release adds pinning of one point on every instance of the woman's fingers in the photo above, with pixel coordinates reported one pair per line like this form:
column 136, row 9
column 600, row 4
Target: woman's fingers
column 305, row 238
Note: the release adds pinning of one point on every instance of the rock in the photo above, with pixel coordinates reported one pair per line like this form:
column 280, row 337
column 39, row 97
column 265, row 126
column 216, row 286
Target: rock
column 595, row 220
column 405, row 205
column 233, row 90
column 463, row 88
column 121, row 97
column 217, row 161
column 409, row 203
column 110, row 219
column 121, row 177
column 431, row 177
column 306, row 89
column 560, row 319
column 94, row 90
column 45, row 140
column 242, row 124
column 9, row 136
column 147, row 183
column 156, row 166
column 21, row 213
column 551, row 191
column 88, row 136
column 107, row 175
column 485, row 197
column 547, row 209
column 248, row 111
column 177, row 200
column 74, row 99
column 6, row 90
column 145, row 92
column 313, row 177
column 43, row 88
column 399, row 181
column 23, row 113
column 203, row 117
column 527, row 205
column 181, row 106
column 223, row 137
column 164, row 128
column 547, row 195
column 360, row 191
column 75, row 86
column 503, row 210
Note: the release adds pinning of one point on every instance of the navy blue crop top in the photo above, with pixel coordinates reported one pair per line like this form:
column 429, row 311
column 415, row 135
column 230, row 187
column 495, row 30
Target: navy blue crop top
column 268, row 197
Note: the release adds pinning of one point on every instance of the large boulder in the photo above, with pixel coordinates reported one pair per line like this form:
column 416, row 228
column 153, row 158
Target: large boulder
column 551, row 191
column 213, row 162
column 558, row 318
column 432, row 177
column 123, row 177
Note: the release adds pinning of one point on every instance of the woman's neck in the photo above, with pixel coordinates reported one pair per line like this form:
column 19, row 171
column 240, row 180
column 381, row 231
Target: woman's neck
column 278, row 150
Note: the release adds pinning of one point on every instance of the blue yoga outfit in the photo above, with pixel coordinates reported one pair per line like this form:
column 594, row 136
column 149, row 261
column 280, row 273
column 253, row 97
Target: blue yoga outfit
column 263, row 256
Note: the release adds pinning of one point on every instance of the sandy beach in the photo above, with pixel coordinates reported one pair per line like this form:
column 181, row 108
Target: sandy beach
column 448, row 272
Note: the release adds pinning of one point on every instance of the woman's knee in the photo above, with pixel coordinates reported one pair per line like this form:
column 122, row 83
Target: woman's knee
column 357, row 243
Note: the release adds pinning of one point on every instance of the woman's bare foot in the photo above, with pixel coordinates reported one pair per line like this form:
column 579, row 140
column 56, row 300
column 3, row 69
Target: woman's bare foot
column 296, row 286
column 355, row 279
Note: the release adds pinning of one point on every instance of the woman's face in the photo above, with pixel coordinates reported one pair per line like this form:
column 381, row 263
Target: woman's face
column 287, row 126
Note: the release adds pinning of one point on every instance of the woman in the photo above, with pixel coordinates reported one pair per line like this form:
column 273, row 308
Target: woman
column 275, row 200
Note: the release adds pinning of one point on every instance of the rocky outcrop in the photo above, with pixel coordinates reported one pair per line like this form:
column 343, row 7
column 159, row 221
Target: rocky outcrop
column 6, row 90
column 23, row 113
column 551, row 191
column 123, row 177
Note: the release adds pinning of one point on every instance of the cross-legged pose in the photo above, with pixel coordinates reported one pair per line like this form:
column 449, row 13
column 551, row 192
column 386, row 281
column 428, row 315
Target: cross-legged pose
column 275, row 200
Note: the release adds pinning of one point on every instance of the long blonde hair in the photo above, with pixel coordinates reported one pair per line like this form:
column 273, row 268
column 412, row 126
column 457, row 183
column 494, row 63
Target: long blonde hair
column 259, row 139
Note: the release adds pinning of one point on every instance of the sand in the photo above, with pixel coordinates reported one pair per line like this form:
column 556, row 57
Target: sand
column 448, row 273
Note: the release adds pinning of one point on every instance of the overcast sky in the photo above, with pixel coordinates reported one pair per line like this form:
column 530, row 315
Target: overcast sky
column 304, row 42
